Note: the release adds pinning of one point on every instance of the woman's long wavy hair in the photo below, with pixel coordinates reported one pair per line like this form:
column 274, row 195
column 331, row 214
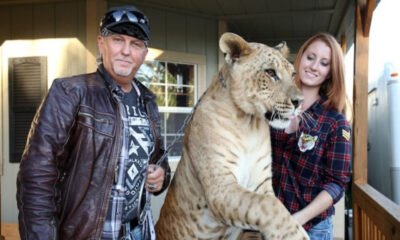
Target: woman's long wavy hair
column 334, row 86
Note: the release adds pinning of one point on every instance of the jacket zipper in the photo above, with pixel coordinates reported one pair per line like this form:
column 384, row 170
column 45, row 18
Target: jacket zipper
column 55, row 232
column 108, row 182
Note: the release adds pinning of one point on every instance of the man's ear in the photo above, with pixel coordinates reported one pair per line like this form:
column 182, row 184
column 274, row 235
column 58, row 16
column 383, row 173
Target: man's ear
column 145, row 54
column 100, row 43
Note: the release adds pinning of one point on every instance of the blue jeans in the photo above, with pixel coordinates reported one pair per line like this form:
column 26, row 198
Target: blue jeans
column 322, row 231
column 136, row 233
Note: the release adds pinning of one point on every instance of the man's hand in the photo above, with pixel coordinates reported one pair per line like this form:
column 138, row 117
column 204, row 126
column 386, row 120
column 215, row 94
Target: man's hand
column 155, row 178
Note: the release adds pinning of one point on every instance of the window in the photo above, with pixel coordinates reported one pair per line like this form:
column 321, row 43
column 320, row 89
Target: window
column 174, row 84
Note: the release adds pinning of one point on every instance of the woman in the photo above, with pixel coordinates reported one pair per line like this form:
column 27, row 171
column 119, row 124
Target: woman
column 312, row 156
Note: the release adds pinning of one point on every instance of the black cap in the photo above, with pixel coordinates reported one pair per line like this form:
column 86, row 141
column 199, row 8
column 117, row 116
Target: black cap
column 127, row 20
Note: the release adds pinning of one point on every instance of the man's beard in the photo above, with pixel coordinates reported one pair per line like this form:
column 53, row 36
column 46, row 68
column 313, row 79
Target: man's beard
column 122, row 72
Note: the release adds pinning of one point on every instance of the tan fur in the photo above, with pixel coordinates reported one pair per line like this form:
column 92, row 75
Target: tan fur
column 223, row 181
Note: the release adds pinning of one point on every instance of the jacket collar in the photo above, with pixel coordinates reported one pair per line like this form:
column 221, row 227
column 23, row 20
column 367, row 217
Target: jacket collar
column 110, row 83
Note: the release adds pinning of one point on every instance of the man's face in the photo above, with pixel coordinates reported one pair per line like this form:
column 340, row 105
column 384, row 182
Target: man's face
column 122, row 56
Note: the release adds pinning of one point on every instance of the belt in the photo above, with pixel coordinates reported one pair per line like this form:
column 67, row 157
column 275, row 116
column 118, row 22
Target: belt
column 133, row 223
column 128, row 227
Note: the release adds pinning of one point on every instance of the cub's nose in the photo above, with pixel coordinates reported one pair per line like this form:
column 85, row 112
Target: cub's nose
column 295, row 102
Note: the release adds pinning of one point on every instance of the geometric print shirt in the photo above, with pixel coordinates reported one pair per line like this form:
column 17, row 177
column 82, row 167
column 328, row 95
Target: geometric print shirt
column 137, row 145
column 314, row 158
column 140, row 146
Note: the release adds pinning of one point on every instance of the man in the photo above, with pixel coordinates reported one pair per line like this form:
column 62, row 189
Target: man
column 94, row 147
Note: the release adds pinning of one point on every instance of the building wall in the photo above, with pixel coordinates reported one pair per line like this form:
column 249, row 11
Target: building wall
column 43, row 20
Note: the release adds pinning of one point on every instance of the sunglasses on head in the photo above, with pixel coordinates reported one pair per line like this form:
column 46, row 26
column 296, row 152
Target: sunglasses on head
column 118, row 15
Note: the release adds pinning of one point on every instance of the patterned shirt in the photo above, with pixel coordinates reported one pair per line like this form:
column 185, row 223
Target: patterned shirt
column 140, row 146
column 137, row 144
column 314, row 158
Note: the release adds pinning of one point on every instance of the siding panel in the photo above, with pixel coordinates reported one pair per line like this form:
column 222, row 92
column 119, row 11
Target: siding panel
column 81, row 21
column 21, row 22
column 176, row 29
column 5, row 26
column 66, row 19
column 44, row 21
column 158, row 28
column 196, row 35
column 212, row 49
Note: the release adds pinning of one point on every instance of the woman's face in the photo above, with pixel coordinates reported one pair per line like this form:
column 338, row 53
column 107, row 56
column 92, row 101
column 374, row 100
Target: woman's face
column 315, row 64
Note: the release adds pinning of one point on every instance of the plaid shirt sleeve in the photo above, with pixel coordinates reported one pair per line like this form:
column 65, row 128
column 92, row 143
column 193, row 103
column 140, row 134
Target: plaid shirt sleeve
column 338, row 165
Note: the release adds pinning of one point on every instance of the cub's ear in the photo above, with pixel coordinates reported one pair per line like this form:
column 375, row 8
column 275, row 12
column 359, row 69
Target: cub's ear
column 234, row 47
column 283, row 48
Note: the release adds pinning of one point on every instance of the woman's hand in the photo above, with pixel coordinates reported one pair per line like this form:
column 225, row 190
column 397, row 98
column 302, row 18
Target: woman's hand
column 299, row 217
column 293, row 125
column 320, row 203
column 155, row 178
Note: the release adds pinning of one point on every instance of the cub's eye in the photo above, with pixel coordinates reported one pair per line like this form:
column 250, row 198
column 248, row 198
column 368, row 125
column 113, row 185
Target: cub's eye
column 272, row 74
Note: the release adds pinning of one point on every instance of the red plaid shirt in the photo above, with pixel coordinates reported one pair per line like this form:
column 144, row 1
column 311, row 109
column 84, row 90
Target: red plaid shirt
column 299, row 176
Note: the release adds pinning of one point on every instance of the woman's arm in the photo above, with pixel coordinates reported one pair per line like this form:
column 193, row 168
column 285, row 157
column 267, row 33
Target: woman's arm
column 322, row 202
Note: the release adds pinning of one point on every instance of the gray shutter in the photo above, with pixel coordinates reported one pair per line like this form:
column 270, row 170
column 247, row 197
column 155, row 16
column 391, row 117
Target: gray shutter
column 27, row 86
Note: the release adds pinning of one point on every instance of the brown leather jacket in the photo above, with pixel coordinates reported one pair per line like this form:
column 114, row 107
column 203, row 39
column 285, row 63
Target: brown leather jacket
column 69, row 162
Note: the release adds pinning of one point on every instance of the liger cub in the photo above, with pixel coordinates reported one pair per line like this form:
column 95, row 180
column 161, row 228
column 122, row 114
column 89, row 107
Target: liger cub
column 223, row 183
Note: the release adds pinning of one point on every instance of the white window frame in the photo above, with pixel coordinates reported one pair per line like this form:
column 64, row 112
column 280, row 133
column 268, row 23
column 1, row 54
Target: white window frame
column 199, row 62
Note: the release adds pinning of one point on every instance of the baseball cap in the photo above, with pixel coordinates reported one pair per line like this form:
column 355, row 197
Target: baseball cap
column 127, row 20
